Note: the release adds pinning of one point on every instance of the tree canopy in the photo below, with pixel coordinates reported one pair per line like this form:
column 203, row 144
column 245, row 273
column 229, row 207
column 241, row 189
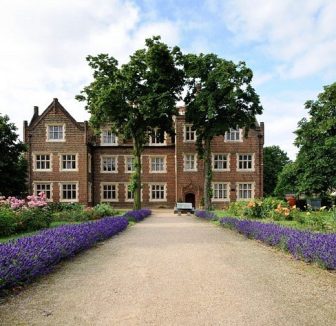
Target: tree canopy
column 219, row 97
column 137, row 97
column 13, row 167
column 316, row 139
column 275, row 160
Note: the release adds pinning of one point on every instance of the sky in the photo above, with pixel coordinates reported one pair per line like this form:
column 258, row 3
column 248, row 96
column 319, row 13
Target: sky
column 290, row 46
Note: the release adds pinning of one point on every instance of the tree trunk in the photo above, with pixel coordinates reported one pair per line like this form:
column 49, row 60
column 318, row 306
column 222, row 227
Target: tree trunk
column 207, row 174
column 137, row 175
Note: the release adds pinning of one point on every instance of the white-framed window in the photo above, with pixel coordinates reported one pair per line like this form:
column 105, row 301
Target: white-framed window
column 245, row 190
column 68, row 162
column 55, row 132
column 157, row 137
column 233, row 135
column 157, row 164
column 158, row 192
column 129, row 197
column 245, row 162
column 69, row 192
column 189, row 135
column 221, row 162
column 189, row 162
column 89, row 163
column 42, row 162
column 109, row 164
column 89, row 192
column 108, row 138
column 45, row 187
column 108, row 191
column 129, row 164
column 220, row 191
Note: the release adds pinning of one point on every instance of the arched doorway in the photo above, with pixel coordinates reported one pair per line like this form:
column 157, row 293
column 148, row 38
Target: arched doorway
column 190, row 198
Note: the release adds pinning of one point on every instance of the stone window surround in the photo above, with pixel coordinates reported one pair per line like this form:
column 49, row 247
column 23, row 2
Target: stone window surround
column 150, row 157
column 61, row 162
column 116, row 157
column 238, row 198
column 228, row 156
column 102, row 184
column 102, row 143
column 227, row 198
column 150, row 142
column 185, row 140
column 34, row 154
column 47, row 125
column 252, row 162
column 184, row 162
column 61, row 199
column 35, row 183
column 125, row 163
column 127, row 200
column 164, row 189
column 240, row 140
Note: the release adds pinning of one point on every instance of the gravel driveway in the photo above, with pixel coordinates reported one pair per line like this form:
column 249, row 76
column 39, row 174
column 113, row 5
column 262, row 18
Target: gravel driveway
column 177, row 270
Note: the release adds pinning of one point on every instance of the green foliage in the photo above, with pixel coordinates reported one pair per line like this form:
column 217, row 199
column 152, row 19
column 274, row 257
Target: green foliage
column 13, row 167
column 316, row 139
column 274, row 161
column 136, row 97
column 33, row 219
column 102, row 210
column 288, row 180
column 7, row 221
column 236, row 208
column 219, row 97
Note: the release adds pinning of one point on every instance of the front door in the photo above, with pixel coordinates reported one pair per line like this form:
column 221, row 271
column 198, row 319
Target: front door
column 190, row 198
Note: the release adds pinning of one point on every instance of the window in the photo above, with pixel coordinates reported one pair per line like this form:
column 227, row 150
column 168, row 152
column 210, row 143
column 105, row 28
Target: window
column 245, row 162
column 190, row 162
column 43, row 162
column 55, row 132
column 43, row 187
column 189, row 134
column 109, row 164
column 109, row 192
column 69, row 162
column 89, row 163
column 129, row 164
column 108, row 138
column 220, row 191
column 157, row 192
column 233, row 135
column 129, row 194
column 156, row 137
column 157, row 164
column 245, row 191
column 220, row 162
column 90, row 192
column 68, row 192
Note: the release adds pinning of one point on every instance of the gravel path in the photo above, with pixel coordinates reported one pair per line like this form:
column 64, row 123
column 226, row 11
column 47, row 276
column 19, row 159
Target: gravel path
column 177, row 270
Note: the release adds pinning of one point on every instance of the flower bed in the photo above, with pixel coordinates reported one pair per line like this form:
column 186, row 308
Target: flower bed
column 206, row 215
column 138, row 215
column 26, row 258
column 305, row 245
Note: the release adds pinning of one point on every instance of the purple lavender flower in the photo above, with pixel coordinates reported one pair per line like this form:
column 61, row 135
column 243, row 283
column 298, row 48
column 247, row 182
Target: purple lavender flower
column 138, row 215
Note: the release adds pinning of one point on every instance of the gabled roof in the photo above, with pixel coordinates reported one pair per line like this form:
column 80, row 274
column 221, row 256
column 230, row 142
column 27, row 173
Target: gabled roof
column 55, row 105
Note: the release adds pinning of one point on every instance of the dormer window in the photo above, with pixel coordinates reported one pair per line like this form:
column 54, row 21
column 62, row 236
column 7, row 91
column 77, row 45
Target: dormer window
column 108, row 138
column 233, row 135
column 157, row 137
column 56, row 132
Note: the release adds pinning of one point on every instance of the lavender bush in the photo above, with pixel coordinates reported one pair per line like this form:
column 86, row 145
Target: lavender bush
column 138, row 215
column 206, row 215
column 305, row 245
column 26, row 258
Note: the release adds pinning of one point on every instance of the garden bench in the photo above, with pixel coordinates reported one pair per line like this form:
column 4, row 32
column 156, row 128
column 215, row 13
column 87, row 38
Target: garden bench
column 184, row 208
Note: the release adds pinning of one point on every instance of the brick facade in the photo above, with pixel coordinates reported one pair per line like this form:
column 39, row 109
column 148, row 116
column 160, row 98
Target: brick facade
column 69, row 162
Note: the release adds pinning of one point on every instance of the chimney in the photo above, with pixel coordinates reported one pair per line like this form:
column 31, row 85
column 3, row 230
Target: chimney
column 36, row 110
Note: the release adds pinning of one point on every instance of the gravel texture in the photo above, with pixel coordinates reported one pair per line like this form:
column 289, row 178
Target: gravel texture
column 177, row 270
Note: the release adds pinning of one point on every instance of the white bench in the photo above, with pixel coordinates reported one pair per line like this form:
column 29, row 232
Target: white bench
column 184, row 208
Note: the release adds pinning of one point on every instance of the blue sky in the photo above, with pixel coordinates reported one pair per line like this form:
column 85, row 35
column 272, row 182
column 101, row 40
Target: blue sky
column 290, row 46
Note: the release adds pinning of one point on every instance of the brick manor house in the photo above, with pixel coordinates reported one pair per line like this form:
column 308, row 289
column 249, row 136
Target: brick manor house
column 70, row 163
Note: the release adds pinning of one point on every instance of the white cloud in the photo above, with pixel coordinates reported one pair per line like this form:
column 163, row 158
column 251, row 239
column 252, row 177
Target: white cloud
column 44, row 45
column 299, row 34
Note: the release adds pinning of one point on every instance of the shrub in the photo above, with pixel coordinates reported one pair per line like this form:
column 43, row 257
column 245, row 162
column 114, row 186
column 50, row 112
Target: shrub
column 26, row 258
column 311, row 247
column 33, row 219
column 7, row 221
column 102, row 210
column 237, row 208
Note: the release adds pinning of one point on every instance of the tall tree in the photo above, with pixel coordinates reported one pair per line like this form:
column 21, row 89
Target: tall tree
column 219, row 97
column 274, row 161
column 13, row 167
column 137, row 97
column 316, row 139
column 287, row 181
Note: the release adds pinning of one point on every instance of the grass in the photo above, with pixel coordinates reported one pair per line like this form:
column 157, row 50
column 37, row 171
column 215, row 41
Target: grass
column 27, row 234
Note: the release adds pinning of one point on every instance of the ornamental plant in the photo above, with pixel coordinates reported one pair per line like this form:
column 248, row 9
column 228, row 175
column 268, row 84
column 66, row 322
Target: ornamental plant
column 137, row 215
column 311, row 247
column 27, row 258
column 206, row 215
